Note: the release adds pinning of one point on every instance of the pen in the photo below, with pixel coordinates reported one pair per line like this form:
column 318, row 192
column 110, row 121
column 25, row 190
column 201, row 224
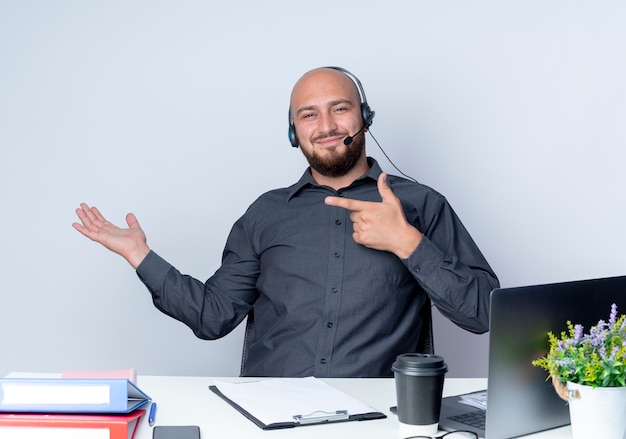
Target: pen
column 152, row 414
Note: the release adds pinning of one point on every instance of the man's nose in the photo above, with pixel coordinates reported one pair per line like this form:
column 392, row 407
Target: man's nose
column 327, row 123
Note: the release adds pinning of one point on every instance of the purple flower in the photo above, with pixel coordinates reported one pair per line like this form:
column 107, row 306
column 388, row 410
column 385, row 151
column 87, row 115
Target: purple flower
column 613, row 315
column 578, row 333
column 597, row 334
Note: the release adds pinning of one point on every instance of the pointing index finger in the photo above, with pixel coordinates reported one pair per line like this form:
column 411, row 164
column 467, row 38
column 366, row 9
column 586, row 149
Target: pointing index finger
column 346, row 203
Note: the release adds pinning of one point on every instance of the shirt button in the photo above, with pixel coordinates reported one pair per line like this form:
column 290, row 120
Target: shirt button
column 323, row 361
column 329, row 324
column 338, row 222
column 334, row 290
column 337, row 255
column 417, row 269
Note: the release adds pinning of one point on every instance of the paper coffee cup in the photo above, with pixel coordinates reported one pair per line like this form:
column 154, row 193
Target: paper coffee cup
column 419, row 382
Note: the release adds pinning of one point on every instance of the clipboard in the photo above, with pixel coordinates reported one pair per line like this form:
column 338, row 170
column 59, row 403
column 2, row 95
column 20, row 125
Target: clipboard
column 279, row 403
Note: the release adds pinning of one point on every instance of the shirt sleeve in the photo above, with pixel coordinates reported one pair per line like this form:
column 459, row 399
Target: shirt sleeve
column 452, row 270
column 211, row 309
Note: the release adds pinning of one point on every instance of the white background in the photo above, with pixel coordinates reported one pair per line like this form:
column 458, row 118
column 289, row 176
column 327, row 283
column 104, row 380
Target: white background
column 177, row 111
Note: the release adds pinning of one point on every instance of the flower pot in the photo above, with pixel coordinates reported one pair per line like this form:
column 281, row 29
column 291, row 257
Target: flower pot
column 597, row 413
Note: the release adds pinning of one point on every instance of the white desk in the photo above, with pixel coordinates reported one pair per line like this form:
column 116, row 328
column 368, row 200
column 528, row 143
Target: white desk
column 188, row 401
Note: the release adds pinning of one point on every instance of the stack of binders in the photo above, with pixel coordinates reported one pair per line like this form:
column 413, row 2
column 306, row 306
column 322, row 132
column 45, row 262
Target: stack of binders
column 70, row 408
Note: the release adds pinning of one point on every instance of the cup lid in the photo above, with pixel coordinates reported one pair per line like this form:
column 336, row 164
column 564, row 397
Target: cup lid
column 420, row 365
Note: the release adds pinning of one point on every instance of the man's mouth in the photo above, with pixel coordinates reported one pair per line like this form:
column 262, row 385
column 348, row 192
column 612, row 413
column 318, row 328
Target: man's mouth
column 330, row 141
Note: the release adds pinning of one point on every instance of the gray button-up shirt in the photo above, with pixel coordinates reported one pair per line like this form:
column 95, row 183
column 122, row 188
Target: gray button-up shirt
column 324, row 305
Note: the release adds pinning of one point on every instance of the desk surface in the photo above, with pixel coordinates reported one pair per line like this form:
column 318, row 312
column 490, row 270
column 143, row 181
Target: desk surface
column 188, row 401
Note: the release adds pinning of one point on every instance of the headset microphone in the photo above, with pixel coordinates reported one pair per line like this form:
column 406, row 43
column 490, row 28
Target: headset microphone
column 348, row 140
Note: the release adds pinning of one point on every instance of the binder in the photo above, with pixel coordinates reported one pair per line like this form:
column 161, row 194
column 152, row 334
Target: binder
column 293, row 402
column 70, row 395
column 68, row 426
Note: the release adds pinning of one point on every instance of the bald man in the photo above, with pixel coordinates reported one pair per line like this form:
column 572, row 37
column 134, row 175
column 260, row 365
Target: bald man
column 333, row 272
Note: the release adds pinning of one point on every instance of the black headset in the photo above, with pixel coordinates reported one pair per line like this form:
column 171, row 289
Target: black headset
column 366, row 111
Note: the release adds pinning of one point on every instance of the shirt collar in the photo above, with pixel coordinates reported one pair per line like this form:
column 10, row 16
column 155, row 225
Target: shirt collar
column 307, row 179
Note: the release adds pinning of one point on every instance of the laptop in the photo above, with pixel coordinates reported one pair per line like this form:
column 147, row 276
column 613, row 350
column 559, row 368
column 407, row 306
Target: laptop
column 520, row 401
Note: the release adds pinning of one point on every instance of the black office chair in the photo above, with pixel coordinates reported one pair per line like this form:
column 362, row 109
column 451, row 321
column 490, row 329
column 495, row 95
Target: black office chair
column 426, row 342
column 249, row 327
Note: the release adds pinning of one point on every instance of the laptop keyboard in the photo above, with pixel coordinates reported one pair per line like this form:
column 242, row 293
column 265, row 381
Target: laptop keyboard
column 475, row 419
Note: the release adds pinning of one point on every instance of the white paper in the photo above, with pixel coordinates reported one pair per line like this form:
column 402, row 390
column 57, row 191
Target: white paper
column 476, row 399
column 279, row 400
column 27, row 394
column 53, row 433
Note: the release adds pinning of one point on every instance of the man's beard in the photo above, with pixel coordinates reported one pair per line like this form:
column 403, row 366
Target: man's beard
column 335, row 164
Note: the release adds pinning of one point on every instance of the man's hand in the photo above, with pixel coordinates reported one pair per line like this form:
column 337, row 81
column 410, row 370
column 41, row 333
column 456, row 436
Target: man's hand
column 130, row 243
column 381, row 226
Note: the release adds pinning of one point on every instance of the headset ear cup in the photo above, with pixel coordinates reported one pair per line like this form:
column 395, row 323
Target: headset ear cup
column 367, row 114
column 293, row 139
column 291, row 134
